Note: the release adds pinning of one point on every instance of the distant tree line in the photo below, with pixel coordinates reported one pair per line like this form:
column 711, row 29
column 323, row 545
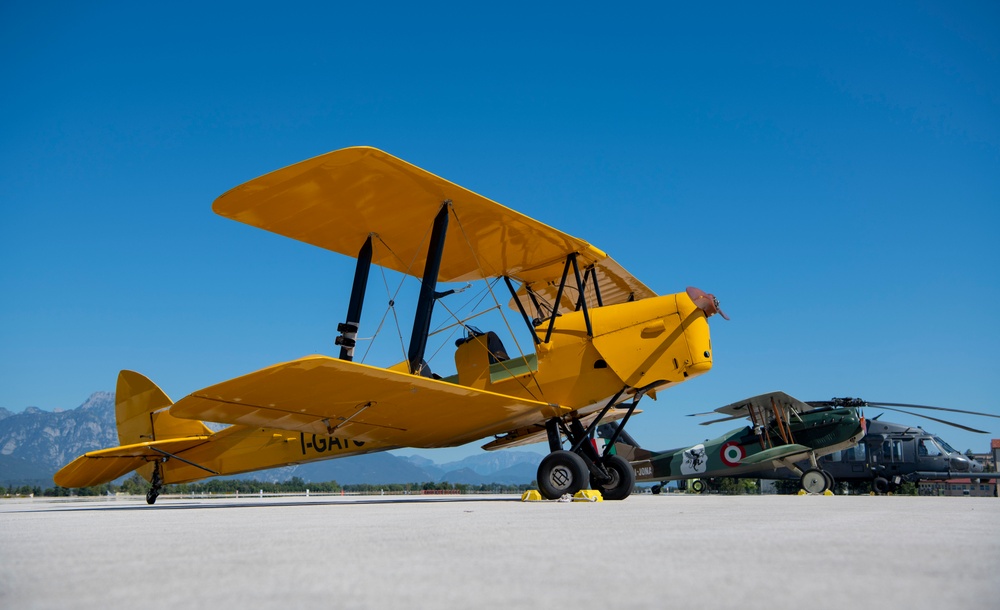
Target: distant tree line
column 136, row 485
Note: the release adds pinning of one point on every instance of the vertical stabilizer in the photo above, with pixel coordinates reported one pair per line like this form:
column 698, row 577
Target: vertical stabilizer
column 141, row 415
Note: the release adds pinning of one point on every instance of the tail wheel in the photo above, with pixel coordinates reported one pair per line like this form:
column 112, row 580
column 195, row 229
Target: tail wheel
column 561, row 472
column 622, row 479
column 155, row 483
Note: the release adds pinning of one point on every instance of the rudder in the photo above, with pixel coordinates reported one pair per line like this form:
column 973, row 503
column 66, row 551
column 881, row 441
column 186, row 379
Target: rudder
column 141, row 415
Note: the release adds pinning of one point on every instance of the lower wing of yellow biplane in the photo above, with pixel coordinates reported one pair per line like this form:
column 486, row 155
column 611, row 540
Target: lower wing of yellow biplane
column 322, row 395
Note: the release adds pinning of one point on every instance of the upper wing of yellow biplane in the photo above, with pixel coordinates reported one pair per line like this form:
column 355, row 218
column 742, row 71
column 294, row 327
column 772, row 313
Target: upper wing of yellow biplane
column 322, row 395
column 337, row 200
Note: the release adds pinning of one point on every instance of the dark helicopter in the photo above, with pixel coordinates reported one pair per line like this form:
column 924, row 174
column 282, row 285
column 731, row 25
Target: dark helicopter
column 891, row 454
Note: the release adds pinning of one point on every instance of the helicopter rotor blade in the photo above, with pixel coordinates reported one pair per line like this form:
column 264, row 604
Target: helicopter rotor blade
column 942, row 421
column 900, row 404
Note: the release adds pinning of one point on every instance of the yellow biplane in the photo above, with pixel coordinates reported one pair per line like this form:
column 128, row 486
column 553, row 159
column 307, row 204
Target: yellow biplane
column 602, row 340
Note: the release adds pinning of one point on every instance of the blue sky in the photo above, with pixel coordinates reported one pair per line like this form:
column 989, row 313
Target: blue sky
column 831, row 173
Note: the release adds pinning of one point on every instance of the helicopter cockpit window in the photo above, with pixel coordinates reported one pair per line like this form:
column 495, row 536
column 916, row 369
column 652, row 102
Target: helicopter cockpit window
column 947, row 448
column 927, row 447
column 892, row 450
column 856, row 453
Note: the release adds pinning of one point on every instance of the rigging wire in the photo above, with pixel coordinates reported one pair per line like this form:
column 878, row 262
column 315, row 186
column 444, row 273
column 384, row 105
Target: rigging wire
column 489, row 287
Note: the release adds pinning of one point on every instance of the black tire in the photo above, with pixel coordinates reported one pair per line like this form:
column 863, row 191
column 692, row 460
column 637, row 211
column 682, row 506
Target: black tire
column 814, row 481
column 151, row 496
column 622, row 479
column 880, row 485
column 830, row 481
column 697, row 486
column 656, row 489
column 561, row 472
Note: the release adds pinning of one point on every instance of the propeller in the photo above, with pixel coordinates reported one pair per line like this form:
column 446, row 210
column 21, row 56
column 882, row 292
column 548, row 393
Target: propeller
column 705, row 302
column 893, row 406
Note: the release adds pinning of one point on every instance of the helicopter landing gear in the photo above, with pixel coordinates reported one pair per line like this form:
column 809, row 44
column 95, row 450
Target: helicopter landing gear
column 880, row 485
column 815, row 481
column 155, row 484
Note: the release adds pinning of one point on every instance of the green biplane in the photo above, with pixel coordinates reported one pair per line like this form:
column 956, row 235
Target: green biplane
column 782, row 432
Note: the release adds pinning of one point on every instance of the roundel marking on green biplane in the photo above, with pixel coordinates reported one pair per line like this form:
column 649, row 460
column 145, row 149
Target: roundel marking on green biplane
column 732, row 453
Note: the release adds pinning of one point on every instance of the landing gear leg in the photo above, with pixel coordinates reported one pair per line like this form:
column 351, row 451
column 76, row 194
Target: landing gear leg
column 155, row 484
column 560, row 472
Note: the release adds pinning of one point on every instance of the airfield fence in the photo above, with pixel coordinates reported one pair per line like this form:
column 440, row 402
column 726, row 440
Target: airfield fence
column 207, row 495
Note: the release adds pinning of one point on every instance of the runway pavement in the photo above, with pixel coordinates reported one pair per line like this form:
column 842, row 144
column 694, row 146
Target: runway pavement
column 669, row 551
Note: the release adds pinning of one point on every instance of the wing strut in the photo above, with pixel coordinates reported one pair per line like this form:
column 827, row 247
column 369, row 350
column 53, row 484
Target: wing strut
column 180, row 459
column 520, row 307
column 582, row 301
column 425, row 302
column 349, row 329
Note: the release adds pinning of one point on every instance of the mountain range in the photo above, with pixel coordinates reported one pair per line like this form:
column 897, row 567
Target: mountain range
column 34, row 444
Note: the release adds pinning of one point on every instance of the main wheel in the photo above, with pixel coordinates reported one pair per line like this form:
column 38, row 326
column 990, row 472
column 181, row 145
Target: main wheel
column 622, row 479
column 830, row 481
column 880, row 485
column 561, row 472
column 697, row 486
column 814, row 481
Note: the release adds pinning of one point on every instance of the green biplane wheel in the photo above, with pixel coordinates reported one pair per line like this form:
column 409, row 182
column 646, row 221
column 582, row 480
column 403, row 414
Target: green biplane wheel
column 830, row 481
column 697, row 486
column 561, row 472
column 814, row 481
column 622, row 479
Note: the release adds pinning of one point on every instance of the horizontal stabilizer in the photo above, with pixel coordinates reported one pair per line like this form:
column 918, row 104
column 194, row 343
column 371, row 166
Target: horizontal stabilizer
column 99, row 467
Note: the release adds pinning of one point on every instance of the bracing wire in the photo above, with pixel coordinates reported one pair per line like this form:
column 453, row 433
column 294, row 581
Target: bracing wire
column 489, row 287
column 393, row 295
